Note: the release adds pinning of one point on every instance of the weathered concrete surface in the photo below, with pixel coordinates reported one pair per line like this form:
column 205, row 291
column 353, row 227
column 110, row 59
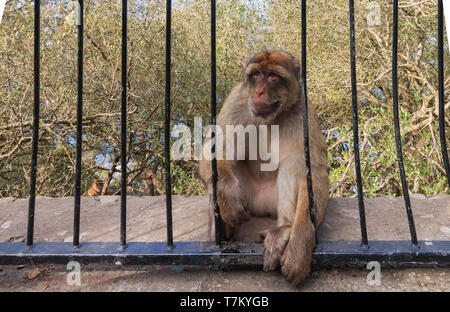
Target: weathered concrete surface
column 146, row 217
column 386, row 219
column 157, row 278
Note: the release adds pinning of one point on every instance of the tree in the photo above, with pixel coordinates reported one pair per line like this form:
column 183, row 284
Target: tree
column 243, row 28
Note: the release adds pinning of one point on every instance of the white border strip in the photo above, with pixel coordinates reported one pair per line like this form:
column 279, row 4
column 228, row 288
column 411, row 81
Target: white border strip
column 447, row 19
column 2, row 8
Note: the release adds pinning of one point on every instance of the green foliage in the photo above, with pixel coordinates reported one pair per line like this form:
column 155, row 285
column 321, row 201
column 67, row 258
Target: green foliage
column 243, row 28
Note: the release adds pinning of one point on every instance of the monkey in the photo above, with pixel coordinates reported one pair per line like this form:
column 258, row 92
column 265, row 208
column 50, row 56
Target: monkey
column 95, row 189
column 271, row 94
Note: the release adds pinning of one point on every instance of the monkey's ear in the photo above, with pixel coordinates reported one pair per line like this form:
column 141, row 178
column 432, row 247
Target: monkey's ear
column 297, row 67
column 251, row 60
column 243, row 76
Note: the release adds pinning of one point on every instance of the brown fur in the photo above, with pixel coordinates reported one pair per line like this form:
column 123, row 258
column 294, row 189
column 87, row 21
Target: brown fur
column 244, row 190
column 95, row 189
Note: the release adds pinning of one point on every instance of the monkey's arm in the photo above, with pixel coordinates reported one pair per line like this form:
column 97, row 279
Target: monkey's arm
column 291, row 243
column 296, row 259
column 231, row 196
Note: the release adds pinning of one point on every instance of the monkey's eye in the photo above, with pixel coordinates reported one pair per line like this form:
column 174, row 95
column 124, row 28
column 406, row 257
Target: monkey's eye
column 256, row 74
column 273, row 77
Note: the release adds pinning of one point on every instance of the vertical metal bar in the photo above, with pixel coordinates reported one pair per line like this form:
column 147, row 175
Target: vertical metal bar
column 76, row 222
column 362, row 214
column 444, row 148
column 213, row 122
column 34, row 151
column 312, row 209
column 398, row 143
column 167, row 124
column 123, row 129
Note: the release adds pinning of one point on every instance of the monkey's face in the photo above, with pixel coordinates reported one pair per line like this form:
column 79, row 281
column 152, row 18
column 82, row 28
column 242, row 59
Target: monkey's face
column 98, row 184
column 271, row 79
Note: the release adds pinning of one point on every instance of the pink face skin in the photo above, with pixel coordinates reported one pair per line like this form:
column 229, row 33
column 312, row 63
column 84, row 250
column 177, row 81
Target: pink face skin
column 261, row 101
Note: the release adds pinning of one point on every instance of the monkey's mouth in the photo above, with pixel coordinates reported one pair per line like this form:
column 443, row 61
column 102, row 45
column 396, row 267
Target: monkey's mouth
column 268, row 112
column 276, row 106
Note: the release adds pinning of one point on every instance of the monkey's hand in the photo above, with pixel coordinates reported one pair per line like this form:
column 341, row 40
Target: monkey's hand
column 296, row 259
column 233, row 203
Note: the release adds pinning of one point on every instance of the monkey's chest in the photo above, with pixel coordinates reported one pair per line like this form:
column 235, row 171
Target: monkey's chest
column 263, row 195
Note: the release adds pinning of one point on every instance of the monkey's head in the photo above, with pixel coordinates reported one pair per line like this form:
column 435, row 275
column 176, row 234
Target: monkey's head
column 98, row 185
column 272, row 82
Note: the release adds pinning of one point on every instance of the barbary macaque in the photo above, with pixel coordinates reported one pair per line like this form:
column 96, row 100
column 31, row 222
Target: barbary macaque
column 271, row 95
column 95, row 189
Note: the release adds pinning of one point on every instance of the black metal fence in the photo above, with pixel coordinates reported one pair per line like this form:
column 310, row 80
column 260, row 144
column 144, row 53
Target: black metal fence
column 328, row 253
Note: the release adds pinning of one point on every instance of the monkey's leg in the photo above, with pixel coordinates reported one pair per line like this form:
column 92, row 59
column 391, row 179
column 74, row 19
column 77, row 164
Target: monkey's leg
column 276, row 239
column 296, row 259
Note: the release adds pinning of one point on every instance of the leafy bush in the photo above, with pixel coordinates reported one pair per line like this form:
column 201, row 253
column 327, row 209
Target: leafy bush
column 243, row 28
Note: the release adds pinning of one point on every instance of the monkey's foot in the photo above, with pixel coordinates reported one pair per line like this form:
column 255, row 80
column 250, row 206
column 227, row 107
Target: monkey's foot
column 261, row 235
column 274, row 244
column 227, row 232
column 296, row 259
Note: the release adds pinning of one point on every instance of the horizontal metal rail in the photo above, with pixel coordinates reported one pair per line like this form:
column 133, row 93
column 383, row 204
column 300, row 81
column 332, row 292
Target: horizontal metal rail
column 327, row 253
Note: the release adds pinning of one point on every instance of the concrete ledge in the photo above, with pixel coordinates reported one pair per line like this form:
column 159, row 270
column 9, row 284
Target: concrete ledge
column 386, row 219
